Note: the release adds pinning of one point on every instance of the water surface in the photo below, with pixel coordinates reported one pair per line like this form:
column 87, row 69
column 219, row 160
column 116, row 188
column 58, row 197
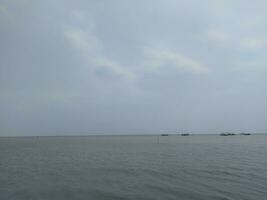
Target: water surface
column 134, row 167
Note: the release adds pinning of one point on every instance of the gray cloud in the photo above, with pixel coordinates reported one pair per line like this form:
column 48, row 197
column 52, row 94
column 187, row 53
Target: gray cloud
column 94, row 67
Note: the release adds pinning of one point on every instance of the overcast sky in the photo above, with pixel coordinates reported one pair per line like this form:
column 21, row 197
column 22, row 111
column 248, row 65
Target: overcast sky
column 121, row 66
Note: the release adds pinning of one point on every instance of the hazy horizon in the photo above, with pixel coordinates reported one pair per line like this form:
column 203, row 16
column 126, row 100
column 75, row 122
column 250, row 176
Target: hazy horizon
column 72, row 67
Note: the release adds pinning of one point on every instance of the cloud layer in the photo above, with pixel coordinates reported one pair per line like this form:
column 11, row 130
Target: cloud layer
column 107, row 67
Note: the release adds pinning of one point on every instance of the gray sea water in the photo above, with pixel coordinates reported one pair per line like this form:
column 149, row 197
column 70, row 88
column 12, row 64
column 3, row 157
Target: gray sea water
column 134, row 167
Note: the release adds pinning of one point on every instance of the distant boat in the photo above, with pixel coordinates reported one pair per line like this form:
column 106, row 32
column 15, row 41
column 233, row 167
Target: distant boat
column 185, row 134
column 226, row 134
column 164, row 134
column 245, row 133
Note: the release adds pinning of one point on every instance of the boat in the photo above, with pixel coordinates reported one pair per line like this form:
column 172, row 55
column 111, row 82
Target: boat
column 226, row 134
column 245, row 133
column 164, row 134
column 185, row 134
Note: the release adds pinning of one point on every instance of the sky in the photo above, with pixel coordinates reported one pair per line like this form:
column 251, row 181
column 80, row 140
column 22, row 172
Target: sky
column 132, row 67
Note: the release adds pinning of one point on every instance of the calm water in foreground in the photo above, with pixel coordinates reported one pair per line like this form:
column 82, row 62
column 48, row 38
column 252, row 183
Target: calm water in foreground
column 134, row 167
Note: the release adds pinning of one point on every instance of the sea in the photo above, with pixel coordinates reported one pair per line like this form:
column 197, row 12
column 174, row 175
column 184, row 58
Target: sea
column 195, row 167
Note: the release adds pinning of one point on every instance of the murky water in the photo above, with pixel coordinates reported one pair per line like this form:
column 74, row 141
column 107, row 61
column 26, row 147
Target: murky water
column 134, row 167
